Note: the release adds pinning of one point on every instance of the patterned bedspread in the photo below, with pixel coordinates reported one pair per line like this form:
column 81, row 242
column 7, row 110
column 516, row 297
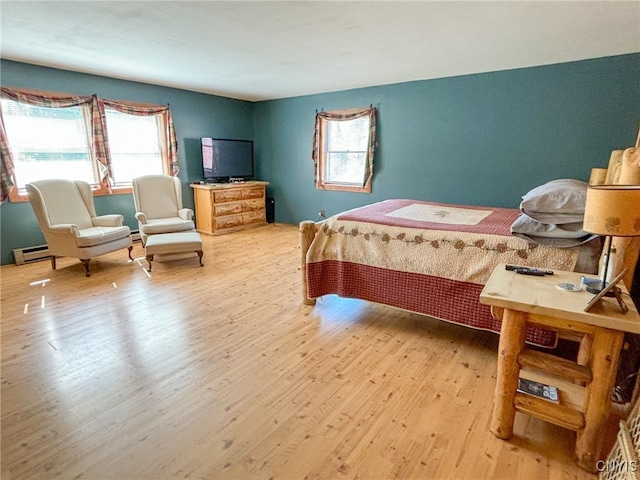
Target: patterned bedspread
column 425, row 257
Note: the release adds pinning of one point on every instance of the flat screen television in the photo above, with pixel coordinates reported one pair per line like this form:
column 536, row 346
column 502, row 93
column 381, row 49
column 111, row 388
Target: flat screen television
column 226, row 160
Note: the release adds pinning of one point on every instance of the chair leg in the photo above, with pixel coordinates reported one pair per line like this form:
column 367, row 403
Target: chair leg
column 85, row 262
column 200, row 253
column 130, row 248
column 53, row 262
column 149, row 260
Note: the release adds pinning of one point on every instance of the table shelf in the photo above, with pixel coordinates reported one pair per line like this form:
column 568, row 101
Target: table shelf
column 555, row 413
column 554, row 365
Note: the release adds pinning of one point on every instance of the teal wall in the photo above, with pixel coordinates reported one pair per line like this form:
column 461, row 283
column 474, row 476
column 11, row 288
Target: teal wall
column 481, row 139
column 195, row 116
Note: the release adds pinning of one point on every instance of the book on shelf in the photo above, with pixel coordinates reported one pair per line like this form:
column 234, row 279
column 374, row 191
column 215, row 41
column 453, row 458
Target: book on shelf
column 540, row 390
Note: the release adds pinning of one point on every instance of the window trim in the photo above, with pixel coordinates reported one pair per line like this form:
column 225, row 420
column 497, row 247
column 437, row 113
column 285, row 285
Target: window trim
column 17, row 195
column 320, row 153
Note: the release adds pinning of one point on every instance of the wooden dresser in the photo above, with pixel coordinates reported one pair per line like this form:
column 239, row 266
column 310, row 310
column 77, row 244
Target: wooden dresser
column 228, row 207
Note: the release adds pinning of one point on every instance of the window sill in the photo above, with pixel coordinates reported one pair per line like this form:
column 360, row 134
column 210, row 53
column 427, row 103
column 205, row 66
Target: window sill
column 345, row 188
column 20, row 195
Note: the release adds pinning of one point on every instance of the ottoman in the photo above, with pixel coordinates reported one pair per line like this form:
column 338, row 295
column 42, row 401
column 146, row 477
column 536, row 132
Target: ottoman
column 178, row 242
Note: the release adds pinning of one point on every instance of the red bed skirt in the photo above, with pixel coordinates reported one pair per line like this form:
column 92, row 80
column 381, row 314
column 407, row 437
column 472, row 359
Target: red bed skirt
column 442, row 298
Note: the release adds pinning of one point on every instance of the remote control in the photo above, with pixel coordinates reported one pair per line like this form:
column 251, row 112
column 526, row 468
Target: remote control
column 517, row 269
column 530, row 272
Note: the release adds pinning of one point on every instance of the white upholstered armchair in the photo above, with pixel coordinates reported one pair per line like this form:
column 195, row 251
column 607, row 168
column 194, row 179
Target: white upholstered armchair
column 67, row 217
column 158, row 202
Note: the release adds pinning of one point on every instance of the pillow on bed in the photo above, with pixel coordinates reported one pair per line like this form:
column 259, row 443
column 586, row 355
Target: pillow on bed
column 549, row 234
column 528, row 226
column 556, row 202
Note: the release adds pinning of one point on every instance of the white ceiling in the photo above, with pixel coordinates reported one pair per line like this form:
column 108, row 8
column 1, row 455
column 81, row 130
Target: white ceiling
column 273, row 49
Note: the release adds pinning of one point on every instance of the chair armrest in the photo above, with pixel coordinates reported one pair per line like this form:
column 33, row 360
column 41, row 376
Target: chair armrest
column 185, row 214
column 141, row 217
column 65, row 228
column 113, row 220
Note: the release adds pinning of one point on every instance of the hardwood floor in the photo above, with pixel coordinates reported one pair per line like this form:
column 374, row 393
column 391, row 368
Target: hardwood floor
column 220, row 372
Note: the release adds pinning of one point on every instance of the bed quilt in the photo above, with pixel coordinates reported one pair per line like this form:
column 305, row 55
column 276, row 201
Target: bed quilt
column 430, row 258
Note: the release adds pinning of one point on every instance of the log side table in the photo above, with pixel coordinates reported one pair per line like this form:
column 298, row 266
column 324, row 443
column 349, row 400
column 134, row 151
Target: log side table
column 585, row 385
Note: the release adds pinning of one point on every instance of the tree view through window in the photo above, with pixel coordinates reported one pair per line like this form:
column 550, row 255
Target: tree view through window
column 343, row 146
column 346, row 151
column 48, row 142
column 135, row 145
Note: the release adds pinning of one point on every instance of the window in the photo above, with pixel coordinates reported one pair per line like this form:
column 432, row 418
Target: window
column 345, row 146
column 48, row 142
column 343, row 150
column 103, row 142
column 136, row 145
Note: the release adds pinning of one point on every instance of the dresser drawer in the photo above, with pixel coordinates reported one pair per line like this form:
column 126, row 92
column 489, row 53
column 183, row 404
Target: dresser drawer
column 233, row 208
column 228, row 208
column 254, row 217
column 253, row 193
column 227, row 196
column 229, row 221
column 252, row 205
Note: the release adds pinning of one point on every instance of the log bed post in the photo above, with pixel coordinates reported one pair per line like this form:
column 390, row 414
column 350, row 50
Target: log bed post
column 307, row 234
column 605, row 357
column 623, row 169
column 627, row 247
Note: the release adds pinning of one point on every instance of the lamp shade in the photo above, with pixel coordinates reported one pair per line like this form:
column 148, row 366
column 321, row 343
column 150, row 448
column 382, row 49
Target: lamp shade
column 613, row 210
column 598, row 176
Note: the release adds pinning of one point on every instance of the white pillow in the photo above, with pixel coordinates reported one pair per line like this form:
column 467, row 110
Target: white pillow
column 528, row 226
column 557, row 236
column 556, row 202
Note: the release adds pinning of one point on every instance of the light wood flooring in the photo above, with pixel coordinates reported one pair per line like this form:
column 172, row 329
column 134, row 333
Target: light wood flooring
column 220, row 372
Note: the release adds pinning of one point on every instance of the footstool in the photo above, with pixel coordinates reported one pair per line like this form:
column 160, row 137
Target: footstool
column 177, row 242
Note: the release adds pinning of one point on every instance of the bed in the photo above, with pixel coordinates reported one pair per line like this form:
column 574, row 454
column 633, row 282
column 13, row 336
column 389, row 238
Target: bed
column 434, row 258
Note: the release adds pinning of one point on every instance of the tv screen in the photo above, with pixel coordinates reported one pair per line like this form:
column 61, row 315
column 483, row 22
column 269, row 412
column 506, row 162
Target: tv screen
column 227, row 160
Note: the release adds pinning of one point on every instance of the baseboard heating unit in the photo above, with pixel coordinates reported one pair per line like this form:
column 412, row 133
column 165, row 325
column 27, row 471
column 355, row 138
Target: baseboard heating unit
column 41, row 252
column 31, row 254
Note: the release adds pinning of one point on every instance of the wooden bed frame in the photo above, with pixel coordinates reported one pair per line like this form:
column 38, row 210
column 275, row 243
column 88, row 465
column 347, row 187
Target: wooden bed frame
column 623, row 169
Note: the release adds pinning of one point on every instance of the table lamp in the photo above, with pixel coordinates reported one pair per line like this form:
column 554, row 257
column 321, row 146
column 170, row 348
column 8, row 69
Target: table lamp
column 612, row 211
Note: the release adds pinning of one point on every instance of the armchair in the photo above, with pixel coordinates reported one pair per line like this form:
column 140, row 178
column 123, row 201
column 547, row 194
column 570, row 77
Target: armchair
column 67, row 217
column 158, row 203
